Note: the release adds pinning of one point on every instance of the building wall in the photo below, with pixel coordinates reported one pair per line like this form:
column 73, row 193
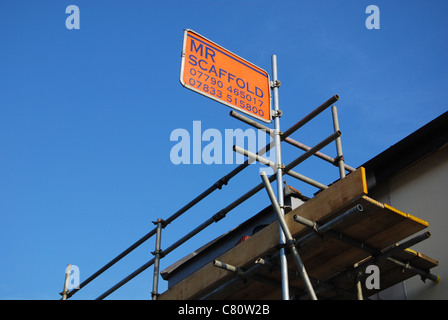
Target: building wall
column 422, row 190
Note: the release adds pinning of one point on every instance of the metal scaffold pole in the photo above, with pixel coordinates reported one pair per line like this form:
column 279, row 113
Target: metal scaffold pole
column 340, row 160
column 158, row 254
column 279, row 175
column 65, row 291
column 289, row 239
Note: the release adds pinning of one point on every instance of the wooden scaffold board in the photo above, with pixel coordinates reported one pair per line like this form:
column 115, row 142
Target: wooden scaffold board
column 378, row 225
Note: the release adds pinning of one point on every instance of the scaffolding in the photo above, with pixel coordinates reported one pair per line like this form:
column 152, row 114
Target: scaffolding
column 318, row 250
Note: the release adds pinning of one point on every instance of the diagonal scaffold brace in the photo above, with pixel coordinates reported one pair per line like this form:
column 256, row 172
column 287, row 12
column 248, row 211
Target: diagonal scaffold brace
column 290, row 242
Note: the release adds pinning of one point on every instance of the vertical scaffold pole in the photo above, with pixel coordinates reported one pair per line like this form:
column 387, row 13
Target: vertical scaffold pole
column 279, row 175
column 340, row 155
column 289, row 239
column 157, row 255
column 340, row 158
column 68, row 271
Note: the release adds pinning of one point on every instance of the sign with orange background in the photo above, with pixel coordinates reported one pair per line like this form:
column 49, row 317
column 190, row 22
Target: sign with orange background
column 219, row 74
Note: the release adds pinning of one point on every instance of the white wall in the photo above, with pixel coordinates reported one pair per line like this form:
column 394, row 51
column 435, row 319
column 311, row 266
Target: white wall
column 422, row 190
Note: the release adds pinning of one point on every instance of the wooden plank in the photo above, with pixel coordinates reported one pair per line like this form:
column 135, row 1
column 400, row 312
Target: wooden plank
column 331, row 201
column 339, row 257
column 417, row 259
column 378, row 226
column 390, row 274
column 321, row 207
column 391, row 226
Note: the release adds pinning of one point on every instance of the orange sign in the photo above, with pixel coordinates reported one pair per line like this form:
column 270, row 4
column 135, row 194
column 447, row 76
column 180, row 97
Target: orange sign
column 221, row 75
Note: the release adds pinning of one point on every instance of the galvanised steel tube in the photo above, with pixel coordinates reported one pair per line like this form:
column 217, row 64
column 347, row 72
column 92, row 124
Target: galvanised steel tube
column 271, row 164
column 228, row 267
column 331, row 224
column 313, row 150
column 216, row 217
column 386, row 254
column 318, row 154
column 318, row 284
column 278, row 159
column 217, row 185
column 113, row 261
column 127, row 279
column 311, row 115
column 251, row 122
column 340, row 158
column 158, row 256
column 203, row 195
column 189, row 235
column 64, row 292
column 241, row 274
column 324, row 228
column 276, row 206
column 221, row 214
column 289, row 140
column 305, row 179
column 289, row 239
column 257, row 157
column 149, row 235
column 377, row 254
column 346, row 215
column 151, row 262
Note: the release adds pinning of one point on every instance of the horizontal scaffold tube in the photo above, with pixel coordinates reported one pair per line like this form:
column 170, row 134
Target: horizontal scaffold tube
column 217, row 185
column 311, row 115
column 313, row 150
column 289, row 140
column 273, row 165
column 289, row 239
column 376, row 254
column 216, row 217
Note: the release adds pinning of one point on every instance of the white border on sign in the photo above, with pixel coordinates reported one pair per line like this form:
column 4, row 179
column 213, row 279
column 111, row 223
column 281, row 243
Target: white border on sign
column 213, row 97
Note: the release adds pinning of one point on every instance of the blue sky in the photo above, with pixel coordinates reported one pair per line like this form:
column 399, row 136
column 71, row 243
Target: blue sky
column 86, row 117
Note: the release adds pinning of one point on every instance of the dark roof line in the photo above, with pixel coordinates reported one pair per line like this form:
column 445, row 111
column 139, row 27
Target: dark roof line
column 409, row 150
